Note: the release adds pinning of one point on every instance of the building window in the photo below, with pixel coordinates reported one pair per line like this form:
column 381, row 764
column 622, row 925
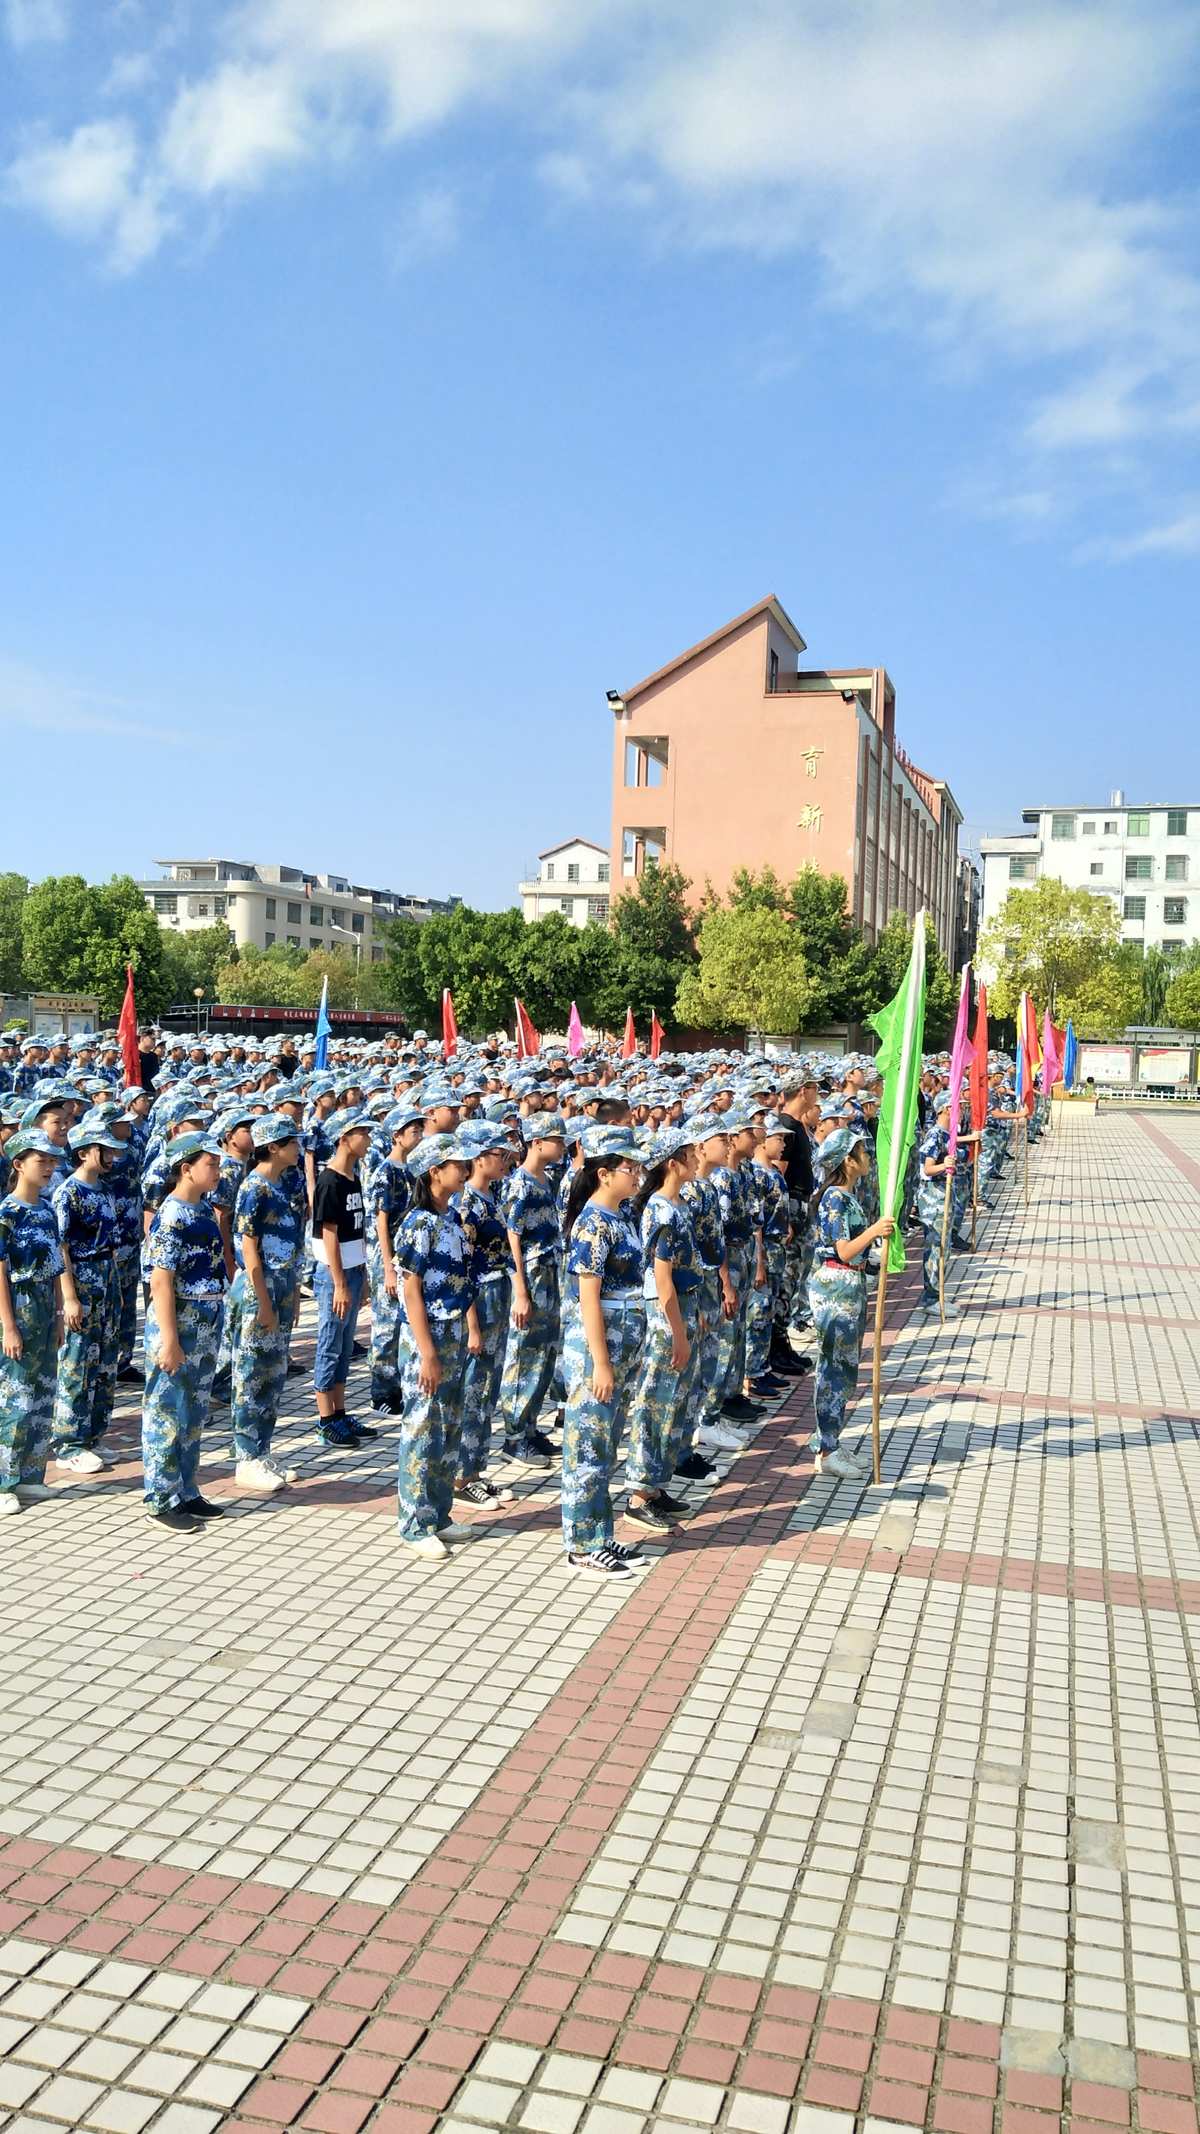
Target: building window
column 1110, row 828
column 293, row 941
column 773, row 669
column 1137, row 825
column 566, row 905
column 572, row 870
column 338, row 918
column 1097, row 867
column 377, row 955
column 598, row 908
column 1134, row 908
column 202, row 911
column 357, row 921
column 1021, row 870
column 1175, row 911
column 270, row 907
column 602, row 871
column 646, row 760
column 168, row 904
column 1172, row 941
column 269, row 939
column 1088, row 829
column 1177, row 866
column 316, row 915
column 218, row 907
column 629, row 853
column 549, row 870
column 1139, row 869
column 1062, row 826
column 293, row 917
column 1177, row 822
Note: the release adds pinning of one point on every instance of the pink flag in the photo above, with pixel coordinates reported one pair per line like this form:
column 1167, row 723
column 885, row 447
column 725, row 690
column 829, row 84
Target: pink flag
column 1051, row 1055
column 960, row 1056
column 575, row 1033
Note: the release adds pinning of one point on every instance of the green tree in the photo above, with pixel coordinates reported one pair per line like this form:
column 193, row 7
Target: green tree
column 260, row 978
column 751, row 973
column 1159, row 966
column 194, row 959
column 656, row 942
column 13, row 891
column 1104, row 1001
column 546, row 966
column 598, row 990
column 321, row 964
column 1182, row 1005
column 399, row 981
column 1048, row 941
column 889, row 963
column 78, row 937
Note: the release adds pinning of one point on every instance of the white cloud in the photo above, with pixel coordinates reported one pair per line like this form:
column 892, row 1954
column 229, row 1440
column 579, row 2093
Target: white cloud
column 88, row 186
column 1174, row 537
column 36, row 21
column 428, row 227
column 46, row 704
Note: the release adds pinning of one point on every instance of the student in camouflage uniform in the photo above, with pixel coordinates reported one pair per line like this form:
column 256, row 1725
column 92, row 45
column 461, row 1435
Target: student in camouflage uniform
column 31, row 1266
column 388, row 1198
column 933, row 1165
column 705, row 1430
column 837, row 1289
column 775, row 1220
column 531, row 1213
column 87, row 1367
column 433, row 1252
column 671, row 1286
column 185, row 1261
column 603, row 1347
column 487, row 1232
column 268, row 1237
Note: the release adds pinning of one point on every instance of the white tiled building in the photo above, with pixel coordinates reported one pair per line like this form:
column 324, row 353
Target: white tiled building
column 264, row 904
column 1146, row 859
column 571, row 878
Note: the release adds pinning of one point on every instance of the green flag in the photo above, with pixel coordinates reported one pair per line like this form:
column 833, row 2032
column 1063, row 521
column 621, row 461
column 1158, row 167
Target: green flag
column 901, row 1027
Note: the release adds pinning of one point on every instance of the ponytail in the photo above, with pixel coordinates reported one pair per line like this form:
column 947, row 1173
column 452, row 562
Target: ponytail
column 651, row 1182
column 583, row 1185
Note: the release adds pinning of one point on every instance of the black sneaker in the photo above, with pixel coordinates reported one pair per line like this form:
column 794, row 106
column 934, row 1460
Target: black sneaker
column 672, row 1508
column 766, row 1387
column 628, row 1551
column 332, row 1433
column 478, row 1490
column 540, row 1442
column 201, row 1508
column 649, row 1515
column 297, row 1370
column 527, row 1456
column 695, row 1468
column 178, row 1520
column 739, row 1408
column 359, row 1349
column 601, row 1563
column 358, row 1430
column 129, row 1375
column 388, row 1404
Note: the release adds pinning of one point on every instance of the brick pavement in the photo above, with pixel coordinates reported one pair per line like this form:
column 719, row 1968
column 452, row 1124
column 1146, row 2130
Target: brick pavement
column 861, row 1808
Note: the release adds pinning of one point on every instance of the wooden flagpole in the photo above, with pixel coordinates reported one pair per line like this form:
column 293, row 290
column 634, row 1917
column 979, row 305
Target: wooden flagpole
column 1025, row 1141
column 942, row 1261
column 974, row 1191
column 877, row 1362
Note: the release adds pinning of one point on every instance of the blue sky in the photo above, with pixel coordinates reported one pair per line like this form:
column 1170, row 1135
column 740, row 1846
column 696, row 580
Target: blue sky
column 382, row 382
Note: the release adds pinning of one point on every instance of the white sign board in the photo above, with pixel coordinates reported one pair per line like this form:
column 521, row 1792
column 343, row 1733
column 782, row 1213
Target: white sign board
column 1168, row 1064
column 1105, row 1063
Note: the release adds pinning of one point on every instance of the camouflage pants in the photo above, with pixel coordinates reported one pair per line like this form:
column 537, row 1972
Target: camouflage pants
column 662, row 1397
column 838, row 1298
column 530, row 1355
column 175, row 1405
column 27, row 1387
column 708, row 1350
column 259, row 1366
column 760, row 1310
column 731, row 1333
column 87, row 1364
column 798, row 1258
column 387, row 1322
column 430, row 1431
column 592, row 1428
column 481, row 1383
column 128, row 1284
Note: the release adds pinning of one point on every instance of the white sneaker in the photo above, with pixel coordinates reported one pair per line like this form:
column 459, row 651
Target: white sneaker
column 842, row 1465
column 80, row 1463
column 720, row 1437
column 427, row 1547
column 34, row 1492
column 285, row 1474
column 107, row 1459
column 8, row 1504
column 454, row 1532
column 258, row 1475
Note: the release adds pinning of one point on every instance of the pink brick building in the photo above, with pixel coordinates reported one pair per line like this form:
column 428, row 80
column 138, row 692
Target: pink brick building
column 732, row 755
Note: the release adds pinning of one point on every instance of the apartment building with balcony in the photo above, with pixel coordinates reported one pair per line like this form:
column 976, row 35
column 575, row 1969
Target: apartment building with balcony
column 1145, row 859
column 733, row 755
column 571, row 878
column 265, row 904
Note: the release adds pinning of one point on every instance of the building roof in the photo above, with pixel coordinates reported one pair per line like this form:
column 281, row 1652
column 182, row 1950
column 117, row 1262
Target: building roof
column 1108, row 807
column 768, row 606
column 590, row 842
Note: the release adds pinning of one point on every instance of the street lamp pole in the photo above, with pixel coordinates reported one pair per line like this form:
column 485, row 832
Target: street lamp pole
column 197, row 996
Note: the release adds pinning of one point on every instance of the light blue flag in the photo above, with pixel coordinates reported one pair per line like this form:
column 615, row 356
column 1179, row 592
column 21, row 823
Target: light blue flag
column 324, row 1029
column 1069, row 1053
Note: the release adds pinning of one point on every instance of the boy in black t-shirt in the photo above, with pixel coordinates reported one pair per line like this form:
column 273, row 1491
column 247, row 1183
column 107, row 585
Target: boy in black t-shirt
column 339, row 1274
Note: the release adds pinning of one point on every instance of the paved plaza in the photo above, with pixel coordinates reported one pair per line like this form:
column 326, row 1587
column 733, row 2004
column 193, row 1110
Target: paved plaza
column 859, row 1808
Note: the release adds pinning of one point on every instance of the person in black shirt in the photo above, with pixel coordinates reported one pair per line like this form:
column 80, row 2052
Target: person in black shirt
column 798, row 1100
column 339, row 1232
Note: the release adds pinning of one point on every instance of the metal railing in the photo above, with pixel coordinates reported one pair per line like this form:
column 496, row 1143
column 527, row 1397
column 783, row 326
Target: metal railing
column 1147, row 1092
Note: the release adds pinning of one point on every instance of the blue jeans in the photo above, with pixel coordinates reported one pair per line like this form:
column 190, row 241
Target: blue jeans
column 335, row 1337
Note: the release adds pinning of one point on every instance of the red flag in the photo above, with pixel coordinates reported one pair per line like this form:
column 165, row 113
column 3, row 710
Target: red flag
column 449, row 1025
column 656, row 1034
column 127, row 1035
column 629, row 1042
column 529, row 1044
column 979, row 1065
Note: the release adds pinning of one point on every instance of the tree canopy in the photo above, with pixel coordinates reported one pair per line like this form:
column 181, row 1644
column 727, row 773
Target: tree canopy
column 751, row 973
column 1048, row 941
